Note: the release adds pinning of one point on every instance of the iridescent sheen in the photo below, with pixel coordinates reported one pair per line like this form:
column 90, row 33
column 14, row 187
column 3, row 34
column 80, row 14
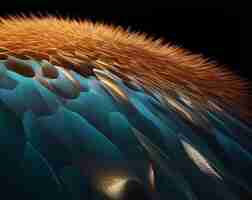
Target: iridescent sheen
column 66, row 136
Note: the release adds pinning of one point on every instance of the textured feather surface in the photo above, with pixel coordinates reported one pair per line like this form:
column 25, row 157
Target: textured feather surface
column 90, row 111
column 77, row 44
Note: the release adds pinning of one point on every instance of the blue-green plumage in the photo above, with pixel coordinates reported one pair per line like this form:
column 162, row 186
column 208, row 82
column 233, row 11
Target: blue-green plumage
column 76, row 137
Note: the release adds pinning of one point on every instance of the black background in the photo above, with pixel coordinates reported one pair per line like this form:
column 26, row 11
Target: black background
column 214, row 30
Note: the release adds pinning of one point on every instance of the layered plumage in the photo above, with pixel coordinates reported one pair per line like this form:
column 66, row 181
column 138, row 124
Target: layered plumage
column 91, row 111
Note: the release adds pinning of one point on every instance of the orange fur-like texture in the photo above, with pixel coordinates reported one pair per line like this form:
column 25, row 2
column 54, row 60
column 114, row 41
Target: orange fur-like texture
column 157, row 66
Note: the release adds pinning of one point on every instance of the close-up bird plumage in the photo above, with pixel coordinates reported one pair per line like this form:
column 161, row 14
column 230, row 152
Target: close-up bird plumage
column 94, row 111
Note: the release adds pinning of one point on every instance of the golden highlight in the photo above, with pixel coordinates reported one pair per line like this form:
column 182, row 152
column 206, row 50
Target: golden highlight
column 161, row 67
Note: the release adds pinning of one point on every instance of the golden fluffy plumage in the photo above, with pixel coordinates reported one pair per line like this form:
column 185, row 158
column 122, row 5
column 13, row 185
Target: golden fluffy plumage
column 78, row 44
